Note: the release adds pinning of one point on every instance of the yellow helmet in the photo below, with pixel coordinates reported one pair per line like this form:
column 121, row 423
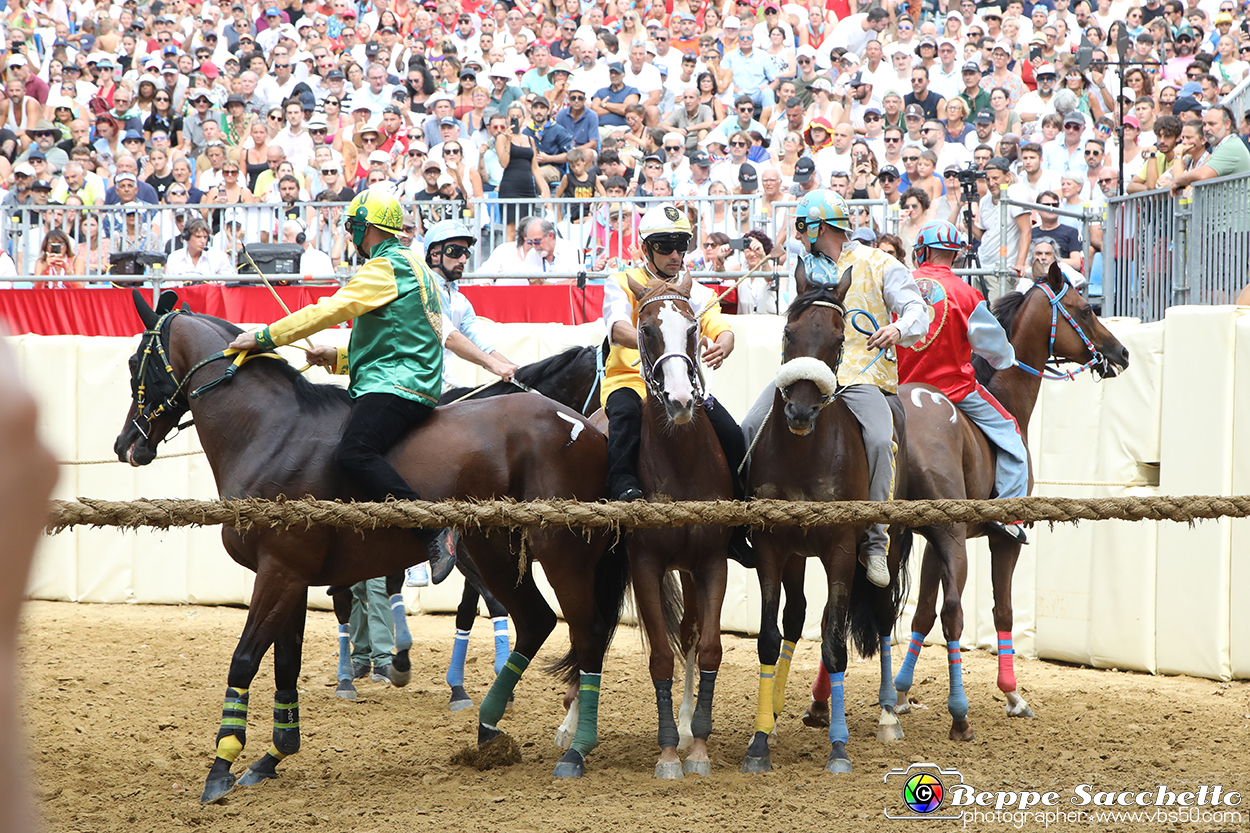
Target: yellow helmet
column 375, row 206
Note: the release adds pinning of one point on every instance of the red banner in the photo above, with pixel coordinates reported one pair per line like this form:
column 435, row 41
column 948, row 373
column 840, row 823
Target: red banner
column 111, row 312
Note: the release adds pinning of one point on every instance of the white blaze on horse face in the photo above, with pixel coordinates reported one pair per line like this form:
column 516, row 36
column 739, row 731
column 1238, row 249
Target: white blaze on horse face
column 673, row 328
column 917, row 399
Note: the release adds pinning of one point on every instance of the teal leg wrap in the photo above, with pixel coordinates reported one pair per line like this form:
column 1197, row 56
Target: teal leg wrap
column 903, row 681
column 957, row 701
column 586, row 737
column 496, row 701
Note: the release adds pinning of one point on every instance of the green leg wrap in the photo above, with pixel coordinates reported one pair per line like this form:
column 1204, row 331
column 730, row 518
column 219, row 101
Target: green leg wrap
column 232, row 736
column 496, row 701
column 285, row 723
column 586, row 738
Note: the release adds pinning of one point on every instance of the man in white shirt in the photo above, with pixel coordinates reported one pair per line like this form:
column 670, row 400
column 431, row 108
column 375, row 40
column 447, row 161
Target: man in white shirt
column 284, row 80
column 1033, row 180
column 590, row 74
column 1015, row 237
column 853, row 33
column 646, row 79
column 376, row 93
column 313, row 262
column 933, row 137
column 544, row 252
column 946, row 76
column 196, row 259
column 1040, row 102
column 294, row 139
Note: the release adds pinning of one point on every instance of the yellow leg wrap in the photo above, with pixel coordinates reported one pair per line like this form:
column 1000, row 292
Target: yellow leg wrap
column 228, row 748
column 779, row 680
column 764, row 714
column 273, row 750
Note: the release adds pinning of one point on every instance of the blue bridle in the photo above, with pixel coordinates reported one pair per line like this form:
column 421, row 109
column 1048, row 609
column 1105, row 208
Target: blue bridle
column 1050, row 369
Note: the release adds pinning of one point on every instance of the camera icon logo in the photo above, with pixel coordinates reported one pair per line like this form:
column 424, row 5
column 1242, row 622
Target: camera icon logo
column 923, row 789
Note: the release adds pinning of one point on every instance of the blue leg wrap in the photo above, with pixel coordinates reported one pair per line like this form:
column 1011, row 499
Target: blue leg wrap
column 403, row 637
column 886, row 698
column 838, row 733
column 957, row 702
column 502, row 647
column 345, row 654
column 902, row 682
column 459, row 650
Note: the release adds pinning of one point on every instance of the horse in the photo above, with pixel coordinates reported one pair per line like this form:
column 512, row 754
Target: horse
column 679, row 458
column 812, row 449
column 952, row 459
column 571, row 378
column 268, row 432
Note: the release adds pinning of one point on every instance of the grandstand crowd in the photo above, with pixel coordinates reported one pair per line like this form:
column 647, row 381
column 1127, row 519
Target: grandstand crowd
column 212, row 124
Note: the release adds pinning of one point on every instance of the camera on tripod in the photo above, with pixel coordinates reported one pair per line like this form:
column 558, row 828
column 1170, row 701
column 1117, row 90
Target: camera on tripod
column 968, row 182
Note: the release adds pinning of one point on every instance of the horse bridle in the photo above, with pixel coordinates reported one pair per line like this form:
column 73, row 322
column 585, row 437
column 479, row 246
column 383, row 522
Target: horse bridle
column 154, row 342
column 649, row 368
column 825, row 399
column 1050, row 370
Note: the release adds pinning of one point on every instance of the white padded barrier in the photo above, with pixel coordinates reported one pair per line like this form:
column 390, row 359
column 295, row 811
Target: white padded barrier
column 1093, row 593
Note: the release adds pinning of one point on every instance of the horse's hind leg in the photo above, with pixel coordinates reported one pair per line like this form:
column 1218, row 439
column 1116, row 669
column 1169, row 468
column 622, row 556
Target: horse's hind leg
column 275, row 598
column 840, row 568
column 689, row 650
column 342, row 598
column 287, row 657
column 888, row 727
column 710, row 589
column 931, row 569
column 466, row 613
column 401, row 666
column 1003, row 556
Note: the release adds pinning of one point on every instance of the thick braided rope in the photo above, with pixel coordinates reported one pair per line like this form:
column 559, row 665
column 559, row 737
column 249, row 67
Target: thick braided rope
column 283, row 514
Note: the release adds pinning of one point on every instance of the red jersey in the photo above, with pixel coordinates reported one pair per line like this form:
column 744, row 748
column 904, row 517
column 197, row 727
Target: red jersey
column 943, row 358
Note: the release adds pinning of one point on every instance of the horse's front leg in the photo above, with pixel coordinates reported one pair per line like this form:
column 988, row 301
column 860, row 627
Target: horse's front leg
column 768, row 568
column 648, row 578
column 275, row 597
column 710, row 591
column 287, row 657
column 840, row 568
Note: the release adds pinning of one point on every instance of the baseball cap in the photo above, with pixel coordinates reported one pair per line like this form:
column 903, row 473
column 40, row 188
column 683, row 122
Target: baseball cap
column 41, row 185
column 747, row 177
column 448, row 121
column 17, row 60
column 132, row 135
column 999, row 162
column 24, row 168
column 334, row 74
column 803, row 169
column 864, row 235
column 1186, row 104
column 1074, row 118
column 972, row 66
column 701, row 159
column 860, row 78
column 1189, row 88
column 37, row 154
column 984, row 117
column 877, row 110
column 273, row 11
column 992, row 11
column 431, row 163
column 616, row 66
column 125, row 176
column 1045, row 69
column 380, row 156
column 1004, row 45
column 888, row 170
column 391, row 108
column 914, row 110
column 731, row 22
column 1131, row 121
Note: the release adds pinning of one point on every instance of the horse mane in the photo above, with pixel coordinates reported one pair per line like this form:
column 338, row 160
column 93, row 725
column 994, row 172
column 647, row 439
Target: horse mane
column 310, row 397
column 1005, row 309
column 818, row 292
column 533, row 375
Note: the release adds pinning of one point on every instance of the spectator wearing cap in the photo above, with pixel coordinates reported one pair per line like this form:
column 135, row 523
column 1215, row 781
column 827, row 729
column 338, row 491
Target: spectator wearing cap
column 861, row 98
column 772, row 17
column 1033, row 105
column 805, row 62
column 45, row 134
column 754, row 71
column 192, row 139
column 1001, row 74
column 1183, row 46
column 393, row 135
column 609, row 103
column 946, row 75
column 686, row 37
column 450, row 131
column 699, row 179
column 578, row 120
column 1015, row 237
column 173, row 82
column 974, row 95
column 35, row 86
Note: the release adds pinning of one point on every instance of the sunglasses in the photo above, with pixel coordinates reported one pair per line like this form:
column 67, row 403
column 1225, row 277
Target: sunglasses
column 537, row 242
column 577, row 98
column 229, row 172
column 673, row 148
column 738, row 144
column 330, row 172
column 160, row 98
column 1051, row 204
column 667, row 247
column 911, row 158
column 892, row 141
column 1106, row 180
column 176, row 191
column 456, row 151
column 459, row 250
column 1093, row 152
column 275, row 118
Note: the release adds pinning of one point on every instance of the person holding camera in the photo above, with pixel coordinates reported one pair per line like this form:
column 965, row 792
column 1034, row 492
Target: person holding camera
column 518, row 156
column 57, row 258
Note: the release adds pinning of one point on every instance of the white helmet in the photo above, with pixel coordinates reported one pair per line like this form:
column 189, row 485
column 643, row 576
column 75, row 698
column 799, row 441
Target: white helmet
column 664, row 220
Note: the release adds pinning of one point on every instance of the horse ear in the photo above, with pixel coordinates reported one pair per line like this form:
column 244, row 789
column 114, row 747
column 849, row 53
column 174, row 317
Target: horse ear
column 1055, row 279
column 685, row 285
column 168, row 300
column 146, row 313
column 638, row 289
column 800, row 280
column 844, row 285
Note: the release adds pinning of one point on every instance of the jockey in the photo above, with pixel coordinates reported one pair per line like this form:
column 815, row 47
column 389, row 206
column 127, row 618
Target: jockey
column 963, row 325
column 666, row 235
column 880, row 286
column 395, row 355
column 448, row 245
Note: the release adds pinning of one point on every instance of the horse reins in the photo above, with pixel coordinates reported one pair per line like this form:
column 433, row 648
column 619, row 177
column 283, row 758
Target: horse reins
column 649, row 368
column 1050, row 369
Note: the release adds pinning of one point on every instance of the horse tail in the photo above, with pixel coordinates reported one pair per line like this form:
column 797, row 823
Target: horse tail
column 611, row 584
column 873, row 612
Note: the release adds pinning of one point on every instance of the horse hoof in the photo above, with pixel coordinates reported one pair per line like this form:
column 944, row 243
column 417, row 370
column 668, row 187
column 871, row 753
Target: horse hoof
column 837, row 766
column 752, row 766
column 817, row 715
column 965, row 735
column 460, row 699
column 670, row 771
column 697, row 767
column 345, row 690
column 1021, row 710
column 486, row 733
column 889, row 732
column 398, row 678
column 215, row 789
column 571, row 765
column 253, row 777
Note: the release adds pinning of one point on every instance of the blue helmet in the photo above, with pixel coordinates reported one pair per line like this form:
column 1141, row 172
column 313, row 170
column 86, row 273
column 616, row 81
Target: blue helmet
column 445, row 230
column 937, row 235
column 823, row 206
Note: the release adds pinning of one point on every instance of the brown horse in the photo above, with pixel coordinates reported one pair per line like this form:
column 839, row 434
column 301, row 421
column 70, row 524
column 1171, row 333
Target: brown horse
column 950, row 458
column 679, row 459
column 267, row 432
column 811, row 448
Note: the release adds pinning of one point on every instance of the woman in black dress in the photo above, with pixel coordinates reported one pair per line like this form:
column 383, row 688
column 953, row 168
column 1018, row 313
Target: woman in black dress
column 519, row 161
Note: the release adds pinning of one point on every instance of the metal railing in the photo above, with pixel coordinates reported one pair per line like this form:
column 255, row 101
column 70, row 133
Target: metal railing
column 1160, row 251
column 1237, row 100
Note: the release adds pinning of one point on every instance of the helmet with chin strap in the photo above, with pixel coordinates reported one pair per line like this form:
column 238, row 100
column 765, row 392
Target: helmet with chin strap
column 445, row 230
column 374, row 206
column 937, row 235
column 665, row 222
column 822, row 206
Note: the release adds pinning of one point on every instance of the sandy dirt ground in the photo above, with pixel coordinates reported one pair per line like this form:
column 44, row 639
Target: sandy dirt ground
column 122, row 705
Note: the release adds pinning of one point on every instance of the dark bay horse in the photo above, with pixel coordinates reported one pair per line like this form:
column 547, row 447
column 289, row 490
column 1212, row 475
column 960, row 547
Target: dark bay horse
column 571, row 378
column 679, row 458
column 811, row 448
column 949, row 457
column 268, row 433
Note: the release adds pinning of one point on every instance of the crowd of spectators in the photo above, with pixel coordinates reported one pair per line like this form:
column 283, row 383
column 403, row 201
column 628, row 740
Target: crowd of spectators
column 211, row 124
